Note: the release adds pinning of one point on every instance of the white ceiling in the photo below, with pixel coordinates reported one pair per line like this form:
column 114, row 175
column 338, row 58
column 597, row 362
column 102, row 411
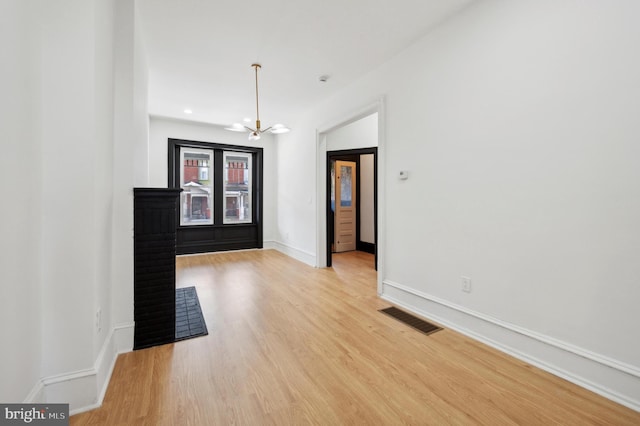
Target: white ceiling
column 200, row 52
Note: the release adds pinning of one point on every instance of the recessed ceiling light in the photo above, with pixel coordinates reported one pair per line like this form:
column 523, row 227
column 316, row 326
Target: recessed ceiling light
column 188, row 111
column 246, row 120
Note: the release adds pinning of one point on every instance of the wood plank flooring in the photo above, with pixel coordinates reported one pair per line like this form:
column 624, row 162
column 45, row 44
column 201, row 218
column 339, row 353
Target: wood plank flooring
column 289, row 344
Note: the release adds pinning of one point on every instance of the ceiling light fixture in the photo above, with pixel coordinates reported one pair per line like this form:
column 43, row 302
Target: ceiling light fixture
column 254, row 134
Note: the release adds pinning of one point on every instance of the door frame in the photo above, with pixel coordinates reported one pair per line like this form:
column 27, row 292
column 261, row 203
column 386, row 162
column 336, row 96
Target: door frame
column 354, row 156
column 345, row 118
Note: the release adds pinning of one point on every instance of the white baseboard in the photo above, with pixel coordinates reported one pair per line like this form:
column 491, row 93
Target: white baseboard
column 269, row 244
column 84, row 390
column 613, row 379
column 36, row 394
column 121, row 341
column 296, row 253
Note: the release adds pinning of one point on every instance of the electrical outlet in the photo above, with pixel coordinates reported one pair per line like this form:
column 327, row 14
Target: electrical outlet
column 99, row 320
column 466, row 284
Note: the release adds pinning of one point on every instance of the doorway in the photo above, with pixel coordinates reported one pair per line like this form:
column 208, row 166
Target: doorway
column 352, row 205
column 368, row 121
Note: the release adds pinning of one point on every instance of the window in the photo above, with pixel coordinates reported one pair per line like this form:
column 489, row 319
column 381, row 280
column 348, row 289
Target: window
column 221, row 199
column 196, row 199
column 237, row 187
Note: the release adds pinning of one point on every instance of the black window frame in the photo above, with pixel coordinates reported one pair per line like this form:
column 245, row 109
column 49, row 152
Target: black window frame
column 192, row 239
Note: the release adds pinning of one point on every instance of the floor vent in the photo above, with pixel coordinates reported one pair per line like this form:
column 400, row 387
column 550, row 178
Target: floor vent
column 410, row 320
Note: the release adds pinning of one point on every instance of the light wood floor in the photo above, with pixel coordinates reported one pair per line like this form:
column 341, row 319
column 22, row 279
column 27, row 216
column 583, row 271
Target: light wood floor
column 293, row 345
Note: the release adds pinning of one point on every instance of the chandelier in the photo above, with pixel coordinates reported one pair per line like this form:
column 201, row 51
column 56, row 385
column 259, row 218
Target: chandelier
column 255, row 133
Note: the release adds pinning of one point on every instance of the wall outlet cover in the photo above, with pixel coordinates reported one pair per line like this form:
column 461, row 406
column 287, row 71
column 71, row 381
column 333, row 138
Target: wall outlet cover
column 466, row 284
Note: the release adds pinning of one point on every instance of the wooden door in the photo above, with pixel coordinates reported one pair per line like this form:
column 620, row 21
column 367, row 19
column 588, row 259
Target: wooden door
column 345, row 206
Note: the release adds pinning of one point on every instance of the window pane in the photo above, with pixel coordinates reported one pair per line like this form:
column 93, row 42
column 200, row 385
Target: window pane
column 237, row 187
column 345, row 186
column 196, row 181
column 333, row 185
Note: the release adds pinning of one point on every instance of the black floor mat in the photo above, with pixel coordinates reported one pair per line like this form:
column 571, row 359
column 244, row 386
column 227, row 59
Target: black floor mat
column 410, row 320
column 189, row 320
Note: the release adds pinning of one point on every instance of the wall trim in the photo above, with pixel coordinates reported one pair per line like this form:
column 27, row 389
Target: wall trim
column 296, row 253
column 603, row 375
column 223, row 251
column 85, row 389
column 36, row 394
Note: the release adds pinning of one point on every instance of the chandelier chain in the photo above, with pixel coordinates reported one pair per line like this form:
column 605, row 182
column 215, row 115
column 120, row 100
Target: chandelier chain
column 256, row 66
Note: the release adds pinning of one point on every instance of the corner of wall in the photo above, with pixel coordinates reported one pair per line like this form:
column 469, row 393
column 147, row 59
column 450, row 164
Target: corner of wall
column 296, row 253
column 84, row 390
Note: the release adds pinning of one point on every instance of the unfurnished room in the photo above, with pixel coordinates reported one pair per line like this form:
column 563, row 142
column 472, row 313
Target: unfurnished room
column 328, row 212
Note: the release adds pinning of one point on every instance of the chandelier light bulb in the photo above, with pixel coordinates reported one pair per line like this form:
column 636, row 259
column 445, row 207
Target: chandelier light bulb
column 236, row 127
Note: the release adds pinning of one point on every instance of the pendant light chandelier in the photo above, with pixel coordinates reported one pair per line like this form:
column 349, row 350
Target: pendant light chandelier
column 254, row 134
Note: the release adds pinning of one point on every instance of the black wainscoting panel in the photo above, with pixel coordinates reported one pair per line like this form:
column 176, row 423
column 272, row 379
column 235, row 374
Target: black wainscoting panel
column 194, row 234
column 366, row 247
column 155, row 225
column 203, row 239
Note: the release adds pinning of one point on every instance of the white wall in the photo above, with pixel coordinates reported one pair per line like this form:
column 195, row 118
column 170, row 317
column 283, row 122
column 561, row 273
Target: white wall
column 163, row 129
column 20, row 265
column 362, row 133
column 367, row 222
column 140, row 100
column 296, row 191
column 63, row 229
column 69, row 149
column 518, row 124
column 130, row 156
column 102, row 167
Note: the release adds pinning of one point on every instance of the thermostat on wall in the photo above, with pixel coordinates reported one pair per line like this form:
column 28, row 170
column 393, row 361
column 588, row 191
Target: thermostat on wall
column 403, row 175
